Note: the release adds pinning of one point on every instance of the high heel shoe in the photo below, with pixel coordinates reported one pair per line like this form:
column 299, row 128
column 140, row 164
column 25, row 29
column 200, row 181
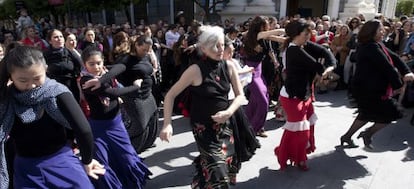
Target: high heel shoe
column 367, row 139
column 302, row 166
column 349, row 142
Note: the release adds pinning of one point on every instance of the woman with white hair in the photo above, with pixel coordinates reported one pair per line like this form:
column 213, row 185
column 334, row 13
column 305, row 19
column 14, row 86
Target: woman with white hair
column 209, row 80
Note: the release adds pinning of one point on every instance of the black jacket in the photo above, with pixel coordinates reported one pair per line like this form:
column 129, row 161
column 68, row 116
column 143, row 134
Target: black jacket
column 374, row 71
column 301, row 67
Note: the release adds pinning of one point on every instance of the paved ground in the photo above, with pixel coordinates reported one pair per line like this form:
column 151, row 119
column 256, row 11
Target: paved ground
column 390, row 165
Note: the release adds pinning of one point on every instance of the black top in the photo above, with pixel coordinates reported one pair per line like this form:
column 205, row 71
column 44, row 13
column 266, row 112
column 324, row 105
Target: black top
column 374, row 72
column 46, row 136
column 212, row 95
column 86, row 44
column 259, row 56
column 301, row 67
column 320, row 52
column 64, row 66
column 109, row 92
column 130, row 68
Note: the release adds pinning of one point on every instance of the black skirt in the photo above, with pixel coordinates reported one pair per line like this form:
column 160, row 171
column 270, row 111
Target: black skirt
column 378, row 110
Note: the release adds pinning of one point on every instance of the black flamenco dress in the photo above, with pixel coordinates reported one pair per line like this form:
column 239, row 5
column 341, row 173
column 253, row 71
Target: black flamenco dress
column 217, row 164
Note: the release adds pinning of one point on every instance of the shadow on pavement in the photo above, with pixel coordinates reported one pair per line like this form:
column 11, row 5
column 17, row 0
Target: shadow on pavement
column 176, row 174
column 322, row 174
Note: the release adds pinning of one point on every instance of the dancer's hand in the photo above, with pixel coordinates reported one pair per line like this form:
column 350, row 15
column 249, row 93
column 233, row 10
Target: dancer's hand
column 190, row 48
column 138, row 82
column 221, row 116
column 166, row 133
column 94, row 169
column 408, row 77
column 94, row 83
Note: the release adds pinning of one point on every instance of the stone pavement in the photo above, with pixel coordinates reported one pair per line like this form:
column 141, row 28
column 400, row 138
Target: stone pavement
column 390, row 165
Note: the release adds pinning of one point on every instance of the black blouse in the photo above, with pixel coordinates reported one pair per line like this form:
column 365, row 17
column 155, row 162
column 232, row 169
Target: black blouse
column 212, row 95
column 46, row 136
column 130, row 68
column 108, row 91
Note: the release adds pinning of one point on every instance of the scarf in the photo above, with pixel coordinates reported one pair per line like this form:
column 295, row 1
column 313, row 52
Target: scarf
column 28, row 106
column 389, row 91
column 114, row 84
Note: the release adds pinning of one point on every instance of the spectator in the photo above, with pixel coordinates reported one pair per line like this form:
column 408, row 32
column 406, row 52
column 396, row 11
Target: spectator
column 31, row 38
column 108, row 45
column 90, row 40
column 63, row 65
column 23, row 21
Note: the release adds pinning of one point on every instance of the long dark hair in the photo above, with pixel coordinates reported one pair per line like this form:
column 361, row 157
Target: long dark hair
column 122, row 44
column 294, row 29
column 177, row 51
column 18, row 57
column 50, row 33
column 368, row 31
column 250, row 40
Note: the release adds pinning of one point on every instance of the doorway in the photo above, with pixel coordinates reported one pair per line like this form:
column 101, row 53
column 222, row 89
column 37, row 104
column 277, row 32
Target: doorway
column 307, row 8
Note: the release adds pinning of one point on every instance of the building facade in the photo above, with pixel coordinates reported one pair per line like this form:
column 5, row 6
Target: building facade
column 336, row 9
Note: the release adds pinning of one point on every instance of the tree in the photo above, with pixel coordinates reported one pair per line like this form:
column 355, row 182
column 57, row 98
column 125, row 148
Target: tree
column 209, row 10
column 7, row 10
column 405, row 7
column 41, row 8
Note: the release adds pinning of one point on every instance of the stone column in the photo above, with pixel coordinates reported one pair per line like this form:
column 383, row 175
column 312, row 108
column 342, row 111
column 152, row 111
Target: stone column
column 376, row 3
column 388, row 8
column 333, row 9
column 283, row 8
column 241, row 10
column 354, row 7
column 264, row 3
column 236, row 3
column 261, row 7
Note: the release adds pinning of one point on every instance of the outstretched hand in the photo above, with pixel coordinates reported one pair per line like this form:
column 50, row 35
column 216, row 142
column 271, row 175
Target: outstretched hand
column 94, row 169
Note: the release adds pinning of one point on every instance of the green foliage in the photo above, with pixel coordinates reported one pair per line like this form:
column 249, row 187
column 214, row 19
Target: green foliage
column 37, row 7
column 7, row 10
column 405, row 7
column 41, row 8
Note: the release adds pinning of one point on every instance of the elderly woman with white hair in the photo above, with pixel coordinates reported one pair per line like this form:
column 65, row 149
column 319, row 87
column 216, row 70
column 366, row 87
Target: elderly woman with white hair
column 209, row 80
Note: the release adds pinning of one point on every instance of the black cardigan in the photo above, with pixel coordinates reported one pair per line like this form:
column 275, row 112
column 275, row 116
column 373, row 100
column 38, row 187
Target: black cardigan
column 374, row 72
column 301, row 67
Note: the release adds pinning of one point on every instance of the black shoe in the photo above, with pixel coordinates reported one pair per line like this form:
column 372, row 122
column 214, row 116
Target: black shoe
column 348, row 141
column 367, row 139
column 322, row 91
column 261, row 133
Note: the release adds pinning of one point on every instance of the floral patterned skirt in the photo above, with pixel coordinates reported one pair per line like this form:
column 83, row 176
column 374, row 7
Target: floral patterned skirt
column 217, row 165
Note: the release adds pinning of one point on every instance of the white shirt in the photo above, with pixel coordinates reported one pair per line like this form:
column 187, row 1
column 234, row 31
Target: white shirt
column 171, row 37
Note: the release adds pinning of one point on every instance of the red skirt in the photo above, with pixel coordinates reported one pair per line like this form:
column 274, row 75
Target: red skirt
column 298, row 137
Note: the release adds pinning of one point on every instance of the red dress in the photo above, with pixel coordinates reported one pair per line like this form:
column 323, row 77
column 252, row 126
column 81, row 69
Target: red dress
column 37, row 42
